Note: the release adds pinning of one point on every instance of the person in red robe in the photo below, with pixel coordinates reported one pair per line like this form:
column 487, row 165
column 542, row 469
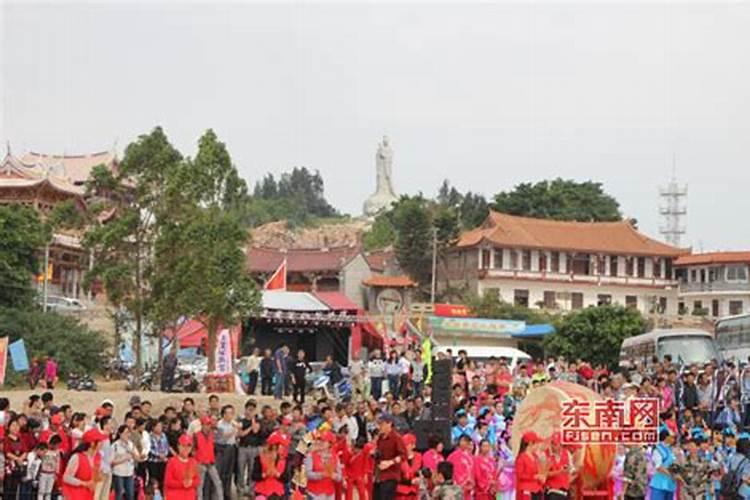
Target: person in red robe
column 407, row 488
column 356, row 472
column 559, row 470
column 529, row 479
column 485, row 473
column 269, row 469
column 181, row 478
column 432, row 457
column 323, row 468
column 463, row 465
column 82, row 471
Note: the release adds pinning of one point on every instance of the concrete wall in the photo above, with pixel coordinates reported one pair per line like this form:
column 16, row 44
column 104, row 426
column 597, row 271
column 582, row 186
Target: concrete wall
column 354, row 273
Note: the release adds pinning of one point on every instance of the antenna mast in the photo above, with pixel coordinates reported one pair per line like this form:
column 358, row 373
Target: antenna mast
column 673, row 209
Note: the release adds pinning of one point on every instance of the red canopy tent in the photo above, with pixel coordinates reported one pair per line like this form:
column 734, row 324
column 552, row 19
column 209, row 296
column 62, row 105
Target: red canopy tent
column 193, row 333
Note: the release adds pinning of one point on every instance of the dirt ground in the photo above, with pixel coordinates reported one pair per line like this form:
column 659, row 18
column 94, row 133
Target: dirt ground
column 88, row 401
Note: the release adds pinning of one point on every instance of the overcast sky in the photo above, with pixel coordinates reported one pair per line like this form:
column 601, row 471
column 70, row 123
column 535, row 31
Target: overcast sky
column 484, row 95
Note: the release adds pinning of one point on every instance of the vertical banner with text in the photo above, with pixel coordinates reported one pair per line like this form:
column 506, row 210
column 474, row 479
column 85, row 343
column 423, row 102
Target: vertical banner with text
column 224, row 353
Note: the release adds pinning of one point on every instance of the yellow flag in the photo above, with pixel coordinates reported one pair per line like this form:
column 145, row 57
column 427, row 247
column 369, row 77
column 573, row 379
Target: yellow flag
column 427, row 357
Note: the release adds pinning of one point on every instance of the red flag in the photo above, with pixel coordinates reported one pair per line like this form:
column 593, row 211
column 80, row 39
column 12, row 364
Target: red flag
column 277, row 281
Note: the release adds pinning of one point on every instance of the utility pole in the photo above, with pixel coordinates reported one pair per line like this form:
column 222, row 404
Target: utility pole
column 434, row 265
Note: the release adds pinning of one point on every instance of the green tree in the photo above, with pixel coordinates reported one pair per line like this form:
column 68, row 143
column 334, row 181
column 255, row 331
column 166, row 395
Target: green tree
column 298, row 197
column 470, row 208
column 473, row 209
column 123, row 246
column 489, row 305
column 382, row 233
column 209, row 279
column 595, row 333
column 413, row 245
column 559, row 199
column 75, row 347
column 22, row 234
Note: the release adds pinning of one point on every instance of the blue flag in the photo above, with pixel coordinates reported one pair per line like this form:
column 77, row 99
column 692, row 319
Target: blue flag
column 18, row 356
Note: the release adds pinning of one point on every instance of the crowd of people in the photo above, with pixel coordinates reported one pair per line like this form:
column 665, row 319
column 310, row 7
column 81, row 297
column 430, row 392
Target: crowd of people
column 364, row 444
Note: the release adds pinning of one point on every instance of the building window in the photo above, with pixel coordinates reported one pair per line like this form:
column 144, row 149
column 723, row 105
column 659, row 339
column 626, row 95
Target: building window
column 603, row 299
column 631, row 301
column 521, row 298
column 600, row 265
column 715, row 308
column 668, row 269
column 581, row 265
column 613, row 265
column 576, row 300
column 735, row 307
column 550, row 301
column 498, row 258
column 657, row 268
column 697, row 306
column 628, row 266
column 662, row 305
column 681, row 309
column 485, row 258
column 641, row 267
column 526, row 260
column 543, row 262
column 514, row 259
column 555, row 262
column 736, row 273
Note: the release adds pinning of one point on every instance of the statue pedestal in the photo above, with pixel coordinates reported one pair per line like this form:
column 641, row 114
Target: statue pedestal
column 379, row 202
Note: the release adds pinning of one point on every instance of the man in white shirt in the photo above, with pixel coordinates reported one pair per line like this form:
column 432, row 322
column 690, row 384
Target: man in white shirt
column 376, row 370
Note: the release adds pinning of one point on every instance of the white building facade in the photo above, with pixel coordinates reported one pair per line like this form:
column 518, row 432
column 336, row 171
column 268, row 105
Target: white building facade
column 714, row 284
column 559, row 265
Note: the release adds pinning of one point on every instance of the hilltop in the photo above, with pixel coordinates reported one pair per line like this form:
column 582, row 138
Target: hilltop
column 319, row 234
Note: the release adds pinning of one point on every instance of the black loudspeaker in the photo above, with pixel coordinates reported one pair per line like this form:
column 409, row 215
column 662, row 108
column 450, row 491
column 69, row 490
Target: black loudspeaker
column 442, row 374
column 442, row 400
column 424, row 429
column 441, row 408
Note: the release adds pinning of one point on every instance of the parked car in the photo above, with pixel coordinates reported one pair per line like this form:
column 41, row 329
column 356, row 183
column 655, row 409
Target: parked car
column 62, row 304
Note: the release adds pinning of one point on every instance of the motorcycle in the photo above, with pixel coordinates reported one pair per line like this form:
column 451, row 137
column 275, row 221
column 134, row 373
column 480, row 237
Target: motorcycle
column 185, row 381
column 117, row 369
column 142, row 383
column 80, row 382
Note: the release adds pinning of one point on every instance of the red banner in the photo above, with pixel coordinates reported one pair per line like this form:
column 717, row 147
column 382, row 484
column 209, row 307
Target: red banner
column 3, row 358
column 452, row 311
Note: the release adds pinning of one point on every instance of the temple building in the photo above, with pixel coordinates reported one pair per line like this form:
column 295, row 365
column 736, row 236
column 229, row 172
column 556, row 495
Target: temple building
column 42, row 181
column 339, row 269
column 561, row 265
column 714, row 284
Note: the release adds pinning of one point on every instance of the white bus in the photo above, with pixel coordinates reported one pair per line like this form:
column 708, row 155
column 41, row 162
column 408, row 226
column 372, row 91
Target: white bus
column 733, row 337
column 686, row 347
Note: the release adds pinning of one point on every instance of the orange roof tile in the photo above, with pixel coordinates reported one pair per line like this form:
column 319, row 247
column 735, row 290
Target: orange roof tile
column 389, row 281
column 76, row 167
column 526, row 232
column 261, row 259
column 379, row 259
column 713, row 258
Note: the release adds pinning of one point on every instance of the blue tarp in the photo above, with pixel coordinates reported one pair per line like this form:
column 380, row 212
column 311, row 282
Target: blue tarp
column 532, row 331
column 18, row 356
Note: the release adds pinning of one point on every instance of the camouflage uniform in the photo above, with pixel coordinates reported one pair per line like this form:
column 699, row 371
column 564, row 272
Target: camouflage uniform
column 635, row 470
column 696, row 471
column 448, row 491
